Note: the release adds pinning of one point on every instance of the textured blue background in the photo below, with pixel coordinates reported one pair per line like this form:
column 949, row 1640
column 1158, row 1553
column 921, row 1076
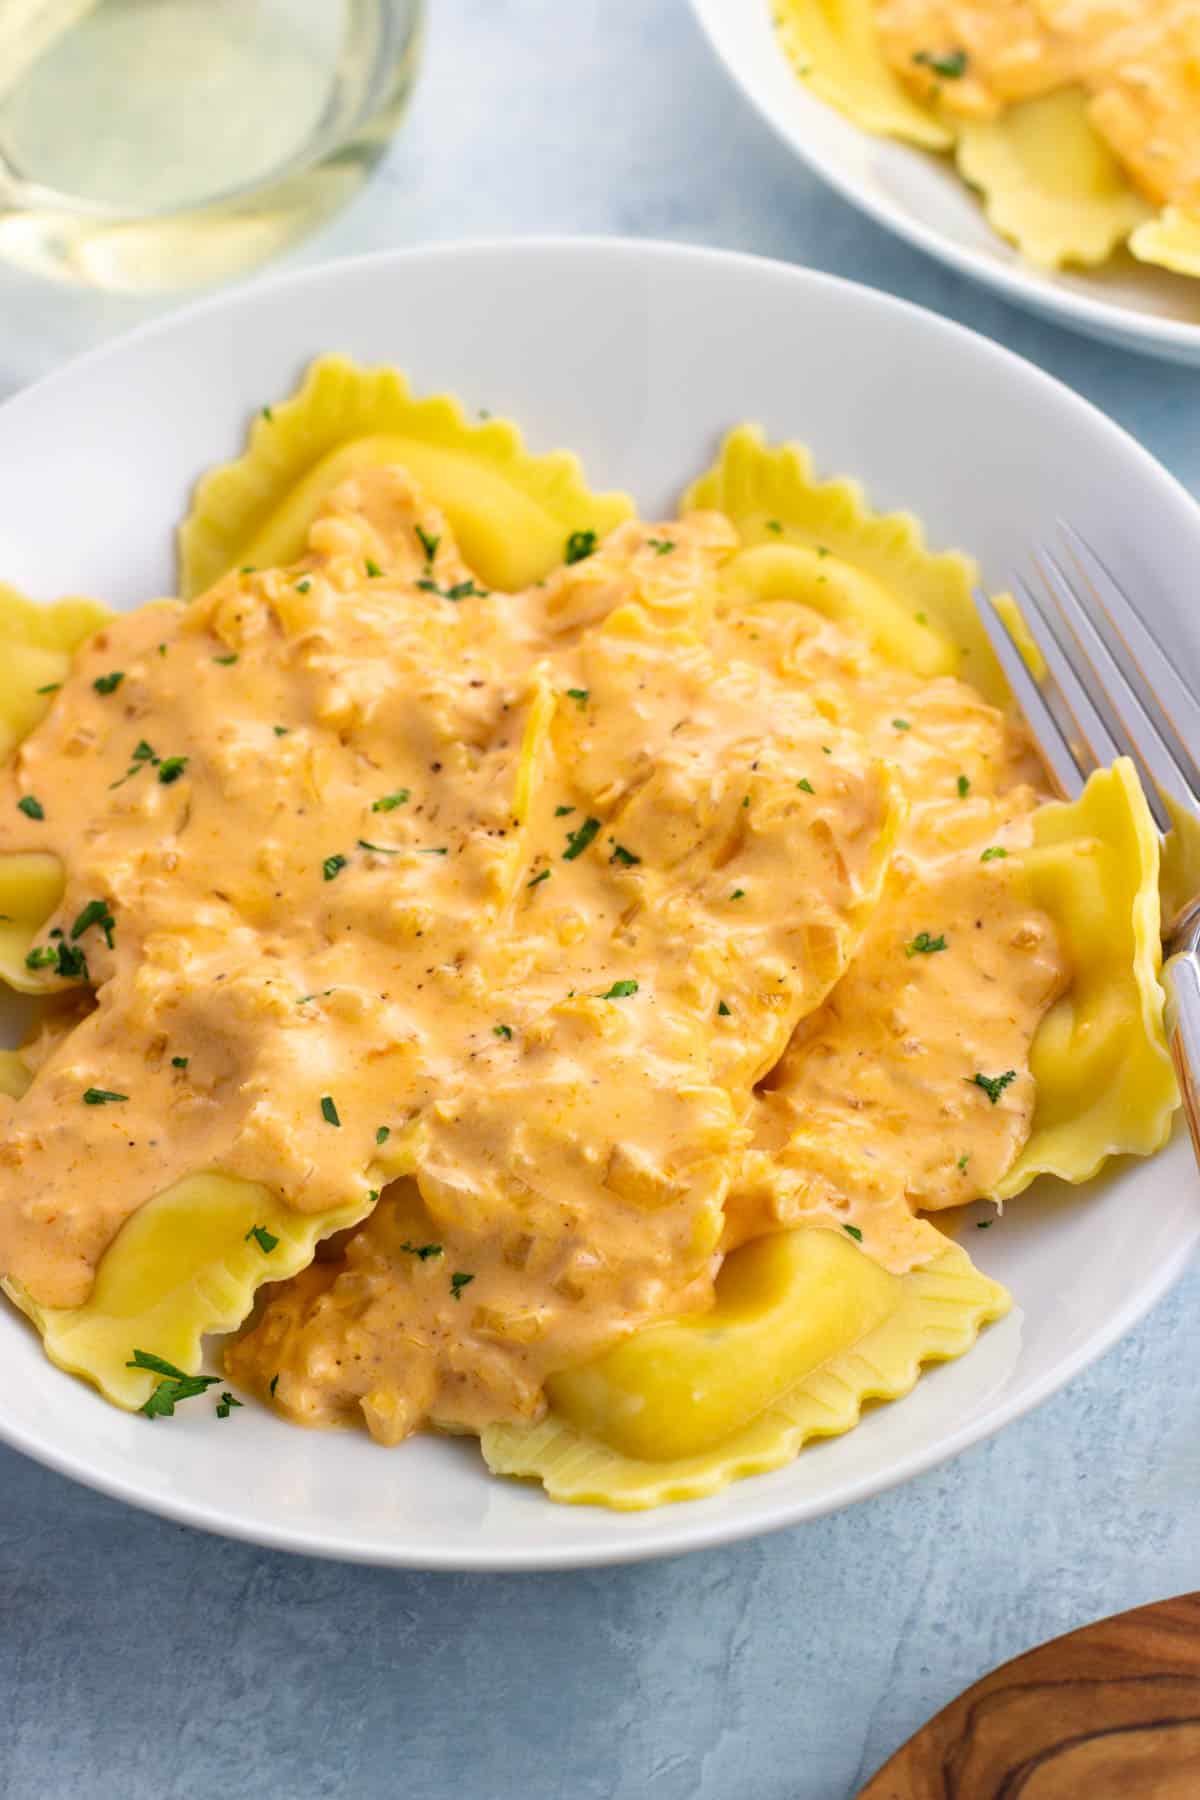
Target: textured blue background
column 141, row 1661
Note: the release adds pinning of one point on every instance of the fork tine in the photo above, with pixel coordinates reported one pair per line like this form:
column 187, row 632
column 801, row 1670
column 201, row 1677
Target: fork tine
column 1051, row 739
column 1095, row 747
column 1140, row 736
column 1164, row 694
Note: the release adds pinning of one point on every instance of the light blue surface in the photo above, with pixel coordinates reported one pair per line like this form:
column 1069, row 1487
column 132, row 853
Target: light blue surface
column 139, row 1661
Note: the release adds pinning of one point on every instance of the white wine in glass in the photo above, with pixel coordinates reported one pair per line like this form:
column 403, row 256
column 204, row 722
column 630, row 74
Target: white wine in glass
column 167, row 143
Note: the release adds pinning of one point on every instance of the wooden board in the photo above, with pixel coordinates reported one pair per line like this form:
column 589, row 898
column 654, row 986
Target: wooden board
column 1111, row 1712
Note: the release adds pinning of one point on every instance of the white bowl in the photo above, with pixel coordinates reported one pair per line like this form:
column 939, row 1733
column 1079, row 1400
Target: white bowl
column 639, row 356
column 922, row 196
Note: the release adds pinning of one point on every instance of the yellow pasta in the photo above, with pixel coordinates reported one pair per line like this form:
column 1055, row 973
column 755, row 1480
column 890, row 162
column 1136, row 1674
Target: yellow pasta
column 916, row 597
column 511, row 512
column 833, row 48
column 1172, row 240
column 1105, row 1084
column 813, row 1330
column 184, row 1266
column 1049, row 182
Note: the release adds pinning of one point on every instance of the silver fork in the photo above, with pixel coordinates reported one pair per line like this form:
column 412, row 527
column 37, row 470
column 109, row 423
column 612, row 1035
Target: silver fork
column 1110, row 690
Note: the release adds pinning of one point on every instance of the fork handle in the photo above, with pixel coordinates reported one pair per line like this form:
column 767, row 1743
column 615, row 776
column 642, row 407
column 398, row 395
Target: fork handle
column 1181, row 979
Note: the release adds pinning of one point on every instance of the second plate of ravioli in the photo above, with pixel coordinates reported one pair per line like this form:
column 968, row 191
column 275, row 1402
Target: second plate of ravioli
column 920, row 194
column 589, row 347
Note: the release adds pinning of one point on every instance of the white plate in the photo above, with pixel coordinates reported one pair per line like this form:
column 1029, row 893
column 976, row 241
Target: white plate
column 921, row 196
column 639, row 356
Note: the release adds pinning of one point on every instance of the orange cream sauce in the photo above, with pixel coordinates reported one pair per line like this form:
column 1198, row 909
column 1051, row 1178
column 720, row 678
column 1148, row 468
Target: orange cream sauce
column 1138, row 60
column 871, row 1112
column 376, row 874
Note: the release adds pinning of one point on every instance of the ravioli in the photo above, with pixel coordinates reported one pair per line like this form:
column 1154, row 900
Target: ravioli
column 805, row 1330
column 615, row 938
column 1075, row 119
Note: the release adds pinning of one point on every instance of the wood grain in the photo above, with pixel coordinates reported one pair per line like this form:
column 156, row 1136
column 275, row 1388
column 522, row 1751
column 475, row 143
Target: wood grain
column 1111, row 1712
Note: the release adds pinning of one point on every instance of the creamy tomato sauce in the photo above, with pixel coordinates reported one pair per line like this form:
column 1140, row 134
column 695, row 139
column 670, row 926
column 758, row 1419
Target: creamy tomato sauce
column 375, row 873
column 1138, row 60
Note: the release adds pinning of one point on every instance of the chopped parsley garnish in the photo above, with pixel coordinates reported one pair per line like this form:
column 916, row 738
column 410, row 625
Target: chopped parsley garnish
column 179, row 1062
column 158, row 1365
column 622, row 855
column 329, row 1111
column 984, row 1224
column 580, row 696
column 31, row 807
column 579, row 545
column 332, row 866
column 226, row 661
column 964, row 787
column 502, row 1031
column 775, row 526
column 458, row 1282
column 268, row 415
column 462, row 590
column 389, row 802
column 579, row 839
column 100, row 1096
column 992, row 1085
column 424, row 1251
column 961, row 1165
column 266, row 1240
column 620, row 990
column 924, row 945
column 806, row 785
column 171, row 768
column 902, row 724
column 441, row 850
column 61, row 958
column 738, row 894
column 921, row 618
column 661, row 546
column 94, row 913
column 560, row 812
column 373, row 569
column 992, row 852
column 428, row 543
column 51, row 687
column 951, row 65
column 382, row 1134
column 175, row 1386
column 108, row 684
column 854, row 1232
column 274, row 1385
column 247, row 569
column 305, row 998
column 303, row 585
column 723, row 1011
column 380, row 849
column 542, row 875
column 143, row 756
column 280, row 730
column 226, row 1404
column 166, row 1396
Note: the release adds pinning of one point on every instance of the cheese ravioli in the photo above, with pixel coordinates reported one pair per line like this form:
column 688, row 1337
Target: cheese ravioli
column 565, row 962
